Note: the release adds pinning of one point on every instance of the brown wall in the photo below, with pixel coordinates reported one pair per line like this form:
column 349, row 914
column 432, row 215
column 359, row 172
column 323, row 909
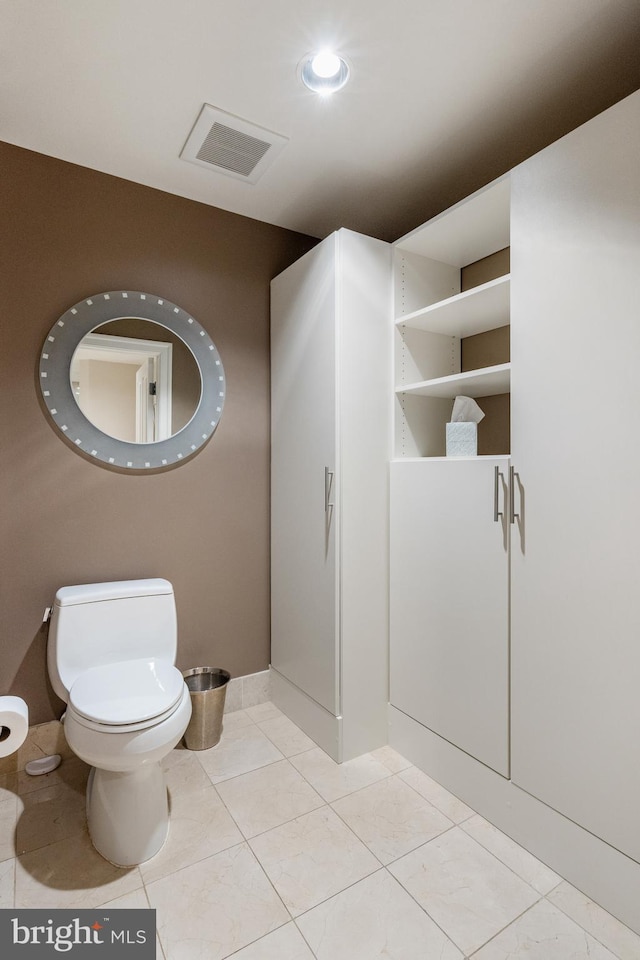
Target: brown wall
column 66, row 233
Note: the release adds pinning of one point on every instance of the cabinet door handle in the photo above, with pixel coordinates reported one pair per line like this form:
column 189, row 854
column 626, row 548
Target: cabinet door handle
column 513, row 516
column 497, row 513
column 328, row 485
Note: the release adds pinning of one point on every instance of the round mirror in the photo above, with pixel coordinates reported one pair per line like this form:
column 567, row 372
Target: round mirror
column 132, row 380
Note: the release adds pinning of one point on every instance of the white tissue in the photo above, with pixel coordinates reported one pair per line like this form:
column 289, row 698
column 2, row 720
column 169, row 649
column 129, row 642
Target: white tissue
column 466, row 410
column 14, row 724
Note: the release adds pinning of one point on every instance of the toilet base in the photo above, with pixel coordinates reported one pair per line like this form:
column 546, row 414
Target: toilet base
column 128, row 813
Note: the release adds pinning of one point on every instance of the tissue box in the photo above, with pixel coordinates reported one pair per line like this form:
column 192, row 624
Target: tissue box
column 462, row 439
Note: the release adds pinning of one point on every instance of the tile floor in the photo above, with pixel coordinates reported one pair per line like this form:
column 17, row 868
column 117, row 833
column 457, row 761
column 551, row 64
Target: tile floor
column 277, row 853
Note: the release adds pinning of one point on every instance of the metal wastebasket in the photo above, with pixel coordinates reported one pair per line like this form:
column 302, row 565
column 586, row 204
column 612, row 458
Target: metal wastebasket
column 208, row 688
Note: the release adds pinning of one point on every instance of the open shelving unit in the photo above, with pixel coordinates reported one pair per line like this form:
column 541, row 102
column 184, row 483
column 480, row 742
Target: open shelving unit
column 445, row 335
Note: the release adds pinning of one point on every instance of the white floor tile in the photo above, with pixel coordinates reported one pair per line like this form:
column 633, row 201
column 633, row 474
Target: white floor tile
column 50, row 814
column 266, row 798
column 287, row 943
column 391, row 759
column 8, row 785
column 237, row 718
column 240, row 750
column 465, row 889
column 334, row 780
column 288, row 738
column 615, row 935
column 215, row 907
column 8, row 821
column 543, row 933
column 72, row 773
column 312, row 858
column 184, row 773
column 199, row 826
column 264, row 711
column 454, row 888
column 137, row 900
column 7, row 883
column 71, row 873
column 533, row 871
column 373, row 919
column 436, row 794
column 391, row 818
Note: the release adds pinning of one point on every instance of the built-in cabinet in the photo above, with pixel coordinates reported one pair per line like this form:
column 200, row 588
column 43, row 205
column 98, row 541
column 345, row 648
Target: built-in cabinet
column 515, row 661
column 449, row 529
column 330, row 438
column 575, row 717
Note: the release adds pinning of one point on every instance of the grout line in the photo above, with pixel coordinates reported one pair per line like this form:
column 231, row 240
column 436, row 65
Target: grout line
column 589, row 932
column 506, row 865
column 235, row 953
column 424, row 909
column 338, row 893
column 506, row 926
column 275, row 827
column 456, row 823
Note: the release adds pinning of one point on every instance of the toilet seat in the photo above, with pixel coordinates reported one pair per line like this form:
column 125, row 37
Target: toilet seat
column 126, row 696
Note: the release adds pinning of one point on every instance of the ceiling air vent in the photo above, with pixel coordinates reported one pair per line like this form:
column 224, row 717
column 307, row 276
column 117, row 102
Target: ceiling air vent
column 229, row 145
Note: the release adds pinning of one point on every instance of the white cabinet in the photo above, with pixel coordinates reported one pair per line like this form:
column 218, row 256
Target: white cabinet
column 449, row 610
column 576, row 567
column 329, row 478
column 450, row 602
column 541, row 734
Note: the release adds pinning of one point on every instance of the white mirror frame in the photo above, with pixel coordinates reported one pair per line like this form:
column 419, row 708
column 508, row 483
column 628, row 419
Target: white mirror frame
column 55, row 381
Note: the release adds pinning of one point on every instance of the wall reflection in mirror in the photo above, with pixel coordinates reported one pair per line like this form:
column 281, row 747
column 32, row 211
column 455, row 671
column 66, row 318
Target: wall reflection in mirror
column 135, row 380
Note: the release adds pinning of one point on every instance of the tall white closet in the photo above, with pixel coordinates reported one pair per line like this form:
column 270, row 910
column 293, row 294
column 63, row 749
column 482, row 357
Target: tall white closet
column 515, row 673
column 330, row 436
column 576, row 551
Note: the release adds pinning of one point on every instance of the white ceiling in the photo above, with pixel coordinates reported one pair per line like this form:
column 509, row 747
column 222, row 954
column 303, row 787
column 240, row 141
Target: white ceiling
column 445, row 94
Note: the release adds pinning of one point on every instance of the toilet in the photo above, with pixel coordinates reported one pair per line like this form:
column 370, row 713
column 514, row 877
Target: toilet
column 111, row 655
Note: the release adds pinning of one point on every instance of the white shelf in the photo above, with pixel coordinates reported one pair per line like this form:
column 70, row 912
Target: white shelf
column 486, row 382
column 489, row 456
column 482, row 308
column 468, row 231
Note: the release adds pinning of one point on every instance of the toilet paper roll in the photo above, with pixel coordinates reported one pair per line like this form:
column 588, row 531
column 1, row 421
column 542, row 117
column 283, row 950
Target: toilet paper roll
column 14, row 724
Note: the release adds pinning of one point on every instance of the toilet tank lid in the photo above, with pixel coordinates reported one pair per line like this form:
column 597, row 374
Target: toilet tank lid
column 114, row 590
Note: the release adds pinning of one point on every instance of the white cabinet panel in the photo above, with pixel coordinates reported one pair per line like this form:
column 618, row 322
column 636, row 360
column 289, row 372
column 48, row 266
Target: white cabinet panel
column 331, row 380
column 575, row 402
column 449, row 602
column 304, row 636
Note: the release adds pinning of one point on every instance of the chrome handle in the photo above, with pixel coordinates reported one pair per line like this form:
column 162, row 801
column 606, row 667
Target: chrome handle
column 328, row 484
column 513, row 516
column 497, row 513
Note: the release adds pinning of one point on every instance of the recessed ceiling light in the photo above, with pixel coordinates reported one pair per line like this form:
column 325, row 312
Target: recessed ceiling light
column 324, row 71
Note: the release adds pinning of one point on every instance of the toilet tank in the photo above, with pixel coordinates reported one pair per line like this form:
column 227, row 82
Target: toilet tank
column 98, row 623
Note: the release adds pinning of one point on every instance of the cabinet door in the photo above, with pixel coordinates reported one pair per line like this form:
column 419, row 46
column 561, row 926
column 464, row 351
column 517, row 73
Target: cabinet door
column 575, row 337
column 303, row 449
column 449, row 602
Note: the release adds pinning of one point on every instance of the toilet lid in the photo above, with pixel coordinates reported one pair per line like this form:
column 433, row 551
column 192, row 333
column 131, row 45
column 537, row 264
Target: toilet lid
column 127, row 692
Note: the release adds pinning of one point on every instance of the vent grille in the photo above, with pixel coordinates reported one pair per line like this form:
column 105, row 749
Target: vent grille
column 229, row 145
column 231, row 149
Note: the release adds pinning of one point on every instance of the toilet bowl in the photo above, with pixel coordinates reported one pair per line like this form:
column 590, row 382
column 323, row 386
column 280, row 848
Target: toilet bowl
column 124, row 713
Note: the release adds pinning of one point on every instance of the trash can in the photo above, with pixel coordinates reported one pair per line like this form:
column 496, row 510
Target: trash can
column 208, row 688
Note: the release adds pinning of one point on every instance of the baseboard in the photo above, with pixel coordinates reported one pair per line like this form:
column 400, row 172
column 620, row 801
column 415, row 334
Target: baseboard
column 247, row 691
column 593, row 866
column 323, row 728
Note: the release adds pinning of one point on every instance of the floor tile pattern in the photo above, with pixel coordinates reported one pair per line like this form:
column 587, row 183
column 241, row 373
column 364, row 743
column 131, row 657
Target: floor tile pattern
column 277, row 853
